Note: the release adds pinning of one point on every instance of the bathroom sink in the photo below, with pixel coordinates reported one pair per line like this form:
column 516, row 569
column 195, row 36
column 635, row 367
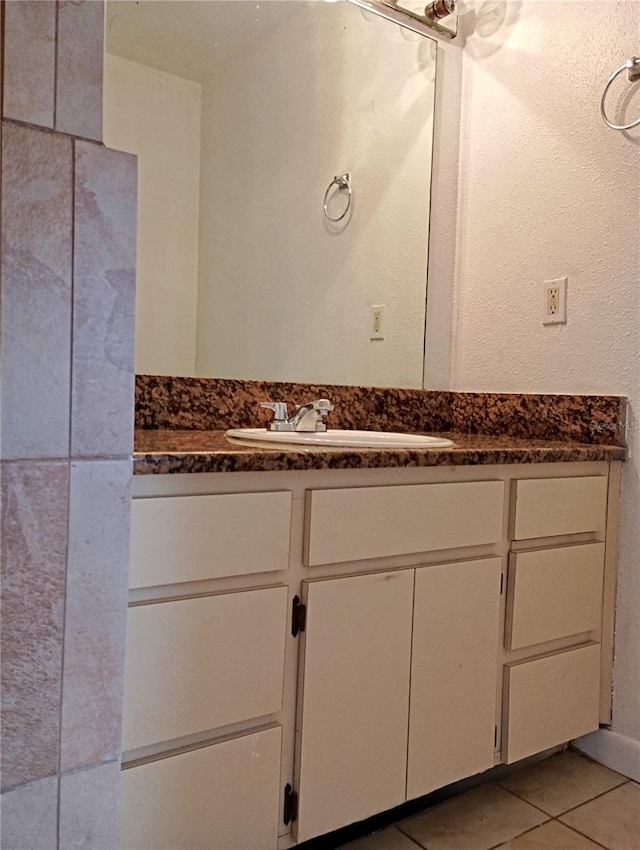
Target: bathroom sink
column 345, row 439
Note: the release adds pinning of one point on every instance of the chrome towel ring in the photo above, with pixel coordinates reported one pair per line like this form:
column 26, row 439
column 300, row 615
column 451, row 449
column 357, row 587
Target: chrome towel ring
column 342, row 182
column 633, row 67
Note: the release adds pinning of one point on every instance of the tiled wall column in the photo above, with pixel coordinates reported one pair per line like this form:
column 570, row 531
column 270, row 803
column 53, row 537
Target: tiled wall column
column 68, row 280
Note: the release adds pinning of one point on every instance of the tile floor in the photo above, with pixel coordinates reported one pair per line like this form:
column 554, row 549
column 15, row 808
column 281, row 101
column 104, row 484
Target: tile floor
column 564, row 803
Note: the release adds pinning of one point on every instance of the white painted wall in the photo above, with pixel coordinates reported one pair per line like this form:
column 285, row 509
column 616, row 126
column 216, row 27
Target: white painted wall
column 546, row 190
column 282, row 296
column 157, row 116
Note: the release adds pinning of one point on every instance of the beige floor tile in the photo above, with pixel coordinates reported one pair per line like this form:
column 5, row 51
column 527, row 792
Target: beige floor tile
column 613, row 819
column 562, row 782
column 386, row 839
column 478, row 820
column 550, row 836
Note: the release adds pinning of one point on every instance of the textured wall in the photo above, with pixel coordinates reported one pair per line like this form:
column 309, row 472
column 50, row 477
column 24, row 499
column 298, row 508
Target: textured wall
column 546, row 190
column 68, row 288
column 156, row 116
column 283, row 295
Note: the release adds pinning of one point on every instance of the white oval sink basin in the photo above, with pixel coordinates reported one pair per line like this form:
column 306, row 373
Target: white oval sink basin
column 345, row 439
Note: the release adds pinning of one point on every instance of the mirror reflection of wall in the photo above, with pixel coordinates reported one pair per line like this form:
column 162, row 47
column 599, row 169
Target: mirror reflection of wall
column 241, row 114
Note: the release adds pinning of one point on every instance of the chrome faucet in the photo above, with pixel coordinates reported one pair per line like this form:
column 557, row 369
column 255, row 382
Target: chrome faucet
column 307, row 417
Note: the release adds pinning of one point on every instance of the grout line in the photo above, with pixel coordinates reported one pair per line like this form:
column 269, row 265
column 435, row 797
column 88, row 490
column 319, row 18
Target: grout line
column 86, row 767
column 584, row 834
column 591, row 799
column 549, row 818
column 55, row 68
column 39, row 128
column 5, row 461
column 62, row 651
column 2, row 83
column 572, row 808
column 2, row 69
column 73, row 292
column 66, row 571
column 410, row 837
column 522, row 799
column 520, row 834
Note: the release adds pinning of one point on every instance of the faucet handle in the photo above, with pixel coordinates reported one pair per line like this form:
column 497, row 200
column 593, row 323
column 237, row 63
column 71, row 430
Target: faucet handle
column 310, row 416
column 279, row 408
column 322, row 407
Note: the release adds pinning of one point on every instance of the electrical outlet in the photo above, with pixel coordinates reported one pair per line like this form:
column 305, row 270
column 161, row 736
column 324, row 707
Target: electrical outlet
column 554, row 302
column 376, row 329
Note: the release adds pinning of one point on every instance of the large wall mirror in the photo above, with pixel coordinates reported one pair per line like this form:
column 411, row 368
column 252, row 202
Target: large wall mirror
column 242, row 114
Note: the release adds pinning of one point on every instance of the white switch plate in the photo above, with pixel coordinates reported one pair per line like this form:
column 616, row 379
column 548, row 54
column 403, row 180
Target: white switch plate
column 377, row 321
column 554, row 301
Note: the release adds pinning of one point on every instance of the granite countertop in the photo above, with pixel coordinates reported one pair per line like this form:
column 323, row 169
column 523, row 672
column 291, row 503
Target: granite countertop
column 165, row 451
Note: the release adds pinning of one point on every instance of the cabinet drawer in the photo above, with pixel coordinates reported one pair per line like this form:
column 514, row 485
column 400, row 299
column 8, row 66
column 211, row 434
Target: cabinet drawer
column 188, row 538
column 376, row 522
column 554, row 593
column 197, row 664
column 551, row 700
column 220, row 797
column 545, row 507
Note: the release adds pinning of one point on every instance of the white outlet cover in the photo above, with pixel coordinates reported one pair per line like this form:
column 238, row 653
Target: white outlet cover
column 560, row 316
column 377, row 329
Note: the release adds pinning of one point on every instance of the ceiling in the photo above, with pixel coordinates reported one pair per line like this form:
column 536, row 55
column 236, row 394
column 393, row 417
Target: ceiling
column 190, row 38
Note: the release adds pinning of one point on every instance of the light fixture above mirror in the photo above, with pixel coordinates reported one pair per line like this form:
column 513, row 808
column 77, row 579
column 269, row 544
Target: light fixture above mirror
column 438, row 17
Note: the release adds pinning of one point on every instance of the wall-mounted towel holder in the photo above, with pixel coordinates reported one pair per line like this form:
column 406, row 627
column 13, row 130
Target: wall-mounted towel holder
column 633, row 67
column 342, row 182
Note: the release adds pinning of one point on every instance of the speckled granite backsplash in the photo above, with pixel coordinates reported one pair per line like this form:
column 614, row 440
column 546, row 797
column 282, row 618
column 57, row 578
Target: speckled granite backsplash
column 209, row 404
column 600, row 420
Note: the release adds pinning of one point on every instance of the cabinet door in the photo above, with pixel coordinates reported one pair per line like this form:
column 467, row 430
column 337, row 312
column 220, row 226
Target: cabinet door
column 218, row 797
column 352, row 747
column 453, row 673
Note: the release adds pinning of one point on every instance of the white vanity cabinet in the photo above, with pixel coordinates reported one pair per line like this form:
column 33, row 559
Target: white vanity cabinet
column 399, row 681
column 354, row 524
column 201, row 663
column 551, row 699
column 454, row 674
column 542, row 581
column 187, row 538
column 308, row 649
column 204, row 671
column 223, row 795
column 559, row 607
column 355, row 677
